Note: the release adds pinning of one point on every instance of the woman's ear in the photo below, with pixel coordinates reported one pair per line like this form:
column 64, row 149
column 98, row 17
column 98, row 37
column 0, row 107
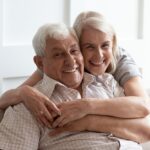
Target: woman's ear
column 38, row 60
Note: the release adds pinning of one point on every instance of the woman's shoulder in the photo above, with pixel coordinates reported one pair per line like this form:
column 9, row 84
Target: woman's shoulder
column 106, row 76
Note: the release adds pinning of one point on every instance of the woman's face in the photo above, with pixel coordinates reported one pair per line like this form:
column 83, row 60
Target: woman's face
column 96, row 47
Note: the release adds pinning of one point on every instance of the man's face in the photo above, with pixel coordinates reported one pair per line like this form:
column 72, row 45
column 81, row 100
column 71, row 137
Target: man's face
column 63, row 61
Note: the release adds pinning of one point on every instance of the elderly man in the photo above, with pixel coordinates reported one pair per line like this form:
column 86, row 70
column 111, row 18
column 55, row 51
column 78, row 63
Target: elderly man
column 62, row 63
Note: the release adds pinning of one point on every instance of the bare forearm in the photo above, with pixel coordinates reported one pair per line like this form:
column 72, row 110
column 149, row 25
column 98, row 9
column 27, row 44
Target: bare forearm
column 10, row 97
column 132, row 129
column 122, row 107
column 33, row 79
column 135, row 104
column 14, row 96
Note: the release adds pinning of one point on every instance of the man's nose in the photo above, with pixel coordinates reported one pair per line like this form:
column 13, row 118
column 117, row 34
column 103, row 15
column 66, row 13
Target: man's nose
column 70, row 60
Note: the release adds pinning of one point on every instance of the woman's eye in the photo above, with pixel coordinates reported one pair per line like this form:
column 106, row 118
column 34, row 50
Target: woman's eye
column 105, row 46
column 75, row 51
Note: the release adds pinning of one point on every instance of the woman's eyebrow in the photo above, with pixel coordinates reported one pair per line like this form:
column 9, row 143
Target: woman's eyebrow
column 85, row 44
column 108, row 41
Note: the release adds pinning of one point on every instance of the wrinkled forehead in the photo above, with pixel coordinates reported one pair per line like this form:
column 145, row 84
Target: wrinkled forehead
column 65, row 42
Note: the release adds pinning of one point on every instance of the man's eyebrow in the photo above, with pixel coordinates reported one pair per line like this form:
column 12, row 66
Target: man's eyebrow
column 56, row 49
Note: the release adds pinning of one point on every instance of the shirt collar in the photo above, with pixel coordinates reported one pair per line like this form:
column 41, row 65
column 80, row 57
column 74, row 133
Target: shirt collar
column 88, row 79
column 49, row 85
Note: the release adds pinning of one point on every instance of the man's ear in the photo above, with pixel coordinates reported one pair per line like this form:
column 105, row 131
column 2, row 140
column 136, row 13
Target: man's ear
column 38, row 60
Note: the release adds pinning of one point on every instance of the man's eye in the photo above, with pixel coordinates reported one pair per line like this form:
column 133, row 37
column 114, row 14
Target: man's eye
column 57, row 55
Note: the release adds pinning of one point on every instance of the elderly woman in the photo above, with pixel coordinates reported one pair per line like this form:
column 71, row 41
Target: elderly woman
column 97, row 41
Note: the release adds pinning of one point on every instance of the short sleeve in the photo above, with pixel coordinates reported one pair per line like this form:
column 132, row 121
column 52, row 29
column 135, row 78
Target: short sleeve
column 118, row 91
column 126, row 67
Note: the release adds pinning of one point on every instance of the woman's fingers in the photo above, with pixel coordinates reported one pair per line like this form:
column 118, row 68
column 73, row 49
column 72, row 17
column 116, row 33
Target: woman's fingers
column 40, row 105
column 45, row 111
column 52, row 107
column 48, row 115
column 57, row 121
column 64, row 122
column 42, row 118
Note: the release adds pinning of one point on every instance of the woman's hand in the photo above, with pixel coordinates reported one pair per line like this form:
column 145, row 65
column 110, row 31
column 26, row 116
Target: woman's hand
column 40, row 105
column 71, row 111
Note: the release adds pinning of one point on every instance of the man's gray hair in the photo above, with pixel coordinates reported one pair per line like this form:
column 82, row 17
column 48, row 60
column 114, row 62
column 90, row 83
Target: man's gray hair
column 97, row 21
column 58, row 31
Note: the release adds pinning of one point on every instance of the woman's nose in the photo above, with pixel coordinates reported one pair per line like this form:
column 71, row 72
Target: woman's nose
column 99, row 53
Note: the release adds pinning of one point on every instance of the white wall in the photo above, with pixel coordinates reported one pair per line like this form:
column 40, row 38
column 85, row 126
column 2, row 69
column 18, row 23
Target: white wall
column 19, row 19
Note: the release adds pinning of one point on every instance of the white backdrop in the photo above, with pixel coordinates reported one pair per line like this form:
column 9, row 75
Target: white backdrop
column 19, row 19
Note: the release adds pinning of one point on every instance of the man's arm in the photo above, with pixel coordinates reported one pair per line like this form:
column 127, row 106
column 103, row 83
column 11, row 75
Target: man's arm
column 132, row 129
column 18, row 130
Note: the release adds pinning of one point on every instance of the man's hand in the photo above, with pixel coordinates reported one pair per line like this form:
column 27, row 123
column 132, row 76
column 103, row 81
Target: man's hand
column 74, row 126
column 71, row 111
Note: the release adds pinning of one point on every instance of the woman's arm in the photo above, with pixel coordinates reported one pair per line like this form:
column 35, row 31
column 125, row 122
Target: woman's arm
column 14, row 96
column 33, row 79
column 134, row 87
column 39, row 104
column 135, row 104
column 132, row 129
